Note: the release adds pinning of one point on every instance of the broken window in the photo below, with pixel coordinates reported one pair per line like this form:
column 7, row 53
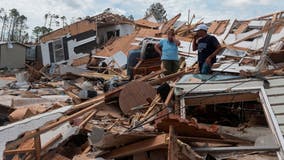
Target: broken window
column 58, row 50
column 111, row 34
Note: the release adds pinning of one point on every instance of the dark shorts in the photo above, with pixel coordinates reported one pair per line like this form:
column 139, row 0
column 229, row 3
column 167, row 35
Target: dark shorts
column 171, row 66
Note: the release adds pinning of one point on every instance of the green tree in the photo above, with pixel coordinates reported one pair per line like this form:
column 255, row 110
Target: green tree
column 158, row 11
column 131, row 17
column 37, row 32
column 63, row 20
column 46, row 18
column 52, row 19
column 21, row 26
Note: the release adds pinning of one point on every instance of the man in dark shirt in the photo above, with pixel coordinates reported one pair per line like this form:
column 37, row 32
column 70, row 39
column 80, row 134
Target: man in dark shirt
column 208, row 47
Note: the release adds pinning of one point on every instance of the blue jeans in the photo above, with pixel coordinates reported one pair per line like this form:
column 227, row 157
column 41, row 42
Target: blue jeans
column 205, row 68
column 132, row 60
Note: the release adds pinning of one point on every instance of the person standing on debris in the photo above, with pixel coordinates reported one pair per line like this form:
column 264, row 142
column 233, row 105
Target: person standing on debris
column 208, row 47
column 168, row 49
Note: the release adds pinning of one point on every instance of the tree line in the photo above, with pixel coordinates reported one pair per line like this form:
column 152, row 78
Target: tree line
column 14, row 26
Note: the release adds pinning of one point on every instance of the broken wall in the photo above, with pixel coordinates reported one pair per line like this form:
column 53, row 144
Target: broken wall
column 124, row 29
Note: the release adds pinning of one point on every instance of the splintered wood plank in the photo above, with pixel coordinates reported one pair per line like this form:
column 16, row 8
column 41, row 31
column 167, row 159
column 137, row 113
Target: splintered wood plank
column 157, row 142
column 135, row 93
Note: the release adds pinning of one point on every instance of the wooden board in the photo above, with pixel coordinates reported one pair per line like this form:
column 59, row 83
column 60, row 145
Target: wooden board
column 135, row 93
column 157, row 142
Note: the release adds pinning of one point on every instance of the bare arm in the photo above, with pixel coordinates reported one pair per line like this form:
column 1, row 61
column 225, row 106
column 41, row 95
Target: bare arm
column 209, row 59
column 177, row 42
column 158, row 49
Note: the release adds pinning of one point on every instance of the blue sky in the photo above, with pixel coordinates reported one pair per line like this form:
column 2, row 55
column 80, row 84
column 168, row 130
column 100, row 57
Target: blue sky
column 207, row 9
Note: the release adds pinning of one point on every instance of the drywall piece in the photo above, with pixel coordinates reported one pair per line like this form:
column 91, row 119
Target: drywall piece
column 66, row 130
column 235, row 37
column 3, row 83
column 257, row 24
column 6, row 100
column 50, row 99
column 234, row 53
column 119, row 58
column 13, row 131
column 63, row 69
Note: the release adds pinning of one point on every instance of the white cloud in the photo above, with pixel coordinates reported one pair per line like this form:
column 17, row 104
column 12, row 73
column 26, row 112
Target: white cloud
column 245, row 3
column 207, row 9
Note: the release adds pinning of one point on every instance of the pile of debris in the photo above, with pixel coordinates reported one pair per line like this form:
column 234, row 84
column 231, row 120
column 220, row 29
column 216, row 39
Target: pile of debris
column 87, row 106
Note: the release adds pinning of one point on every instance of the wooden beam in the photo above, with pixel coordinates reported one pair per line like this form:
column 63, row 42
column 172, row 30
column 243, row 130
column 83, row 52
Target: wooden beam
column 212, row 140
column 18, row 151
column 46, row 146
column 82, row 124
column 167, row 78
column 172, row 143
column 157, row 142
column 37, row 145
column 222, row 98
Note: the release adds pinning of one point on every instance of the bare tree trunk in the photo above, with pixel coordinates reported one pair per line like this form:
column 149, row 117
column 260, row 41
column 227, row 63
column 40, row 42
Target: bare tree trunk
column 9, row 31
column 13, row 28
column 50, row 21
column 2, row 30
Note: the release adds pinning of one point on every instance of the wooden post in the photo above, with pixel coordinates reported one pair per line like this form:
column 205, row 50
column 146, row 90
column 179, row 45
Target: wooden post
column 37, row 145
column 171, row 146
column 18, row 151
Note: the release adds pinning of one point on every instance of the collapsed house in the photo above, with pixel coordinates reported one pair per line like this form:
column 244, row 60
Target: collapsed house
column 91, row 111
column 77, row 39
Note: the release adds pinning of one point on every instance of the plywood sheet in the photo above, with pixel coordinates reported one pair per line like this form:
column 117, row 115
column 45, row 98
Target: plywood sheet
column 135, row 93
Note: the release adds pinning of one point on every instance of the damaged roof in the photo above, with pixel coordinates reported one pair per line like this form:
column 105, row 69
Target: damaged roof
column 87, row 24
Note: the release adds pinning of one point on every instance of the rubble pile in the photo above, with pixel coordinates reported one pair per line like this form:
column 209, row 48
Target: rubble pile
column 112, row 100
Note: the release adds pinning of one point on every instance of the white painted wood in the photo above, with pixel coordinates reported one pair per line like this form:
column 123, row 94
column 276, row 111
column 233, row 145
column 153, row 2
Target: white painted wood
column 276, row 100
column 12, row 131
column 278, row 109
column 276, row 82
column 274, row 91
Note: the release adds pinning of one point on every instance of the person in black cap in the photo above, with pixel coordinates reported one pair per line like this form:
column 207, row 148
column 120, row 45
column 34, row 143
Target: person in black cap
column 208, row 47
